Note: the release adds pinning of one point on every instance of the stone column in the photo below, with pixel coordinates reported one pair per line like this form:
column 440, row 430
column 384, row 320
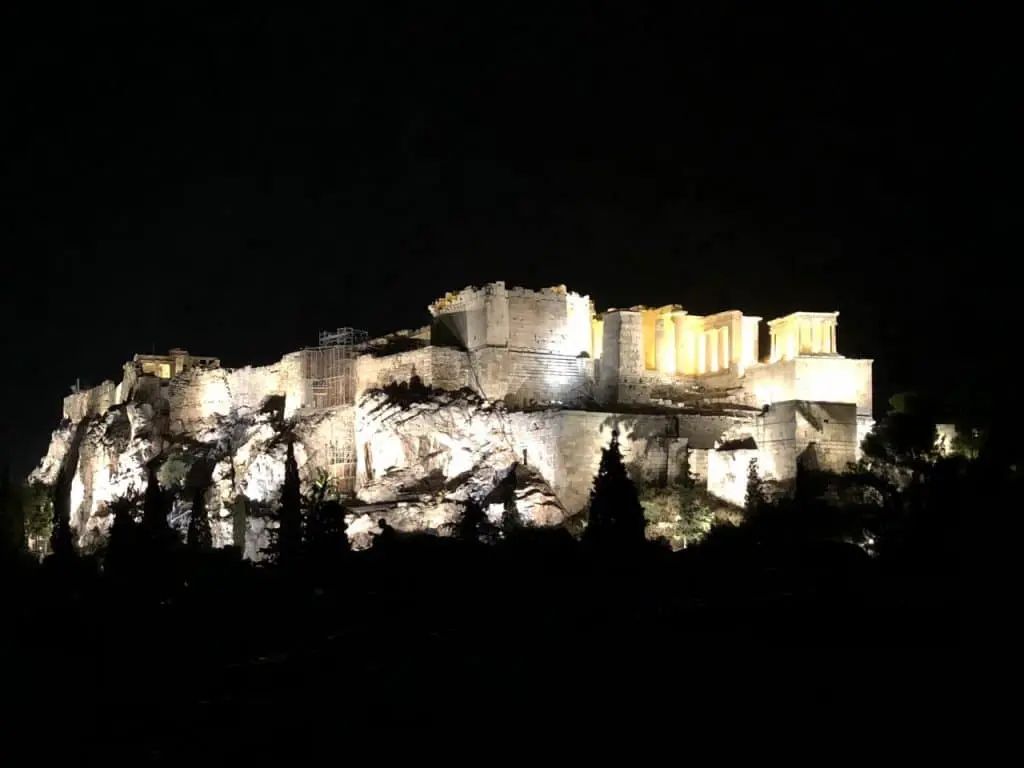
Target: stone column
column 666, row 341
column 725, row 355
column 832, row 327
column 713, row 345
column 702, row 353
column 683, row 349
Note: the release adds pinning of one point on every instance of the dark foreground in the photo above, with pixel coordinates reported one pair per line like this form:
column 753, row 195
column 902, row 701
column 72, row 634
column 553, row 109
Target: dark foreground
column 244, row 662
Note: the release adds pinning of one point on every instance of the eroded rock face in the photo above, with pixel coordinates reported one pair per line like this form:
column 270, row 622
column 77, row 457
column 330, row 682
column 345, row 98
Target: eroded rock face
column 445, row 449
column 240, row 455
column 420, row 462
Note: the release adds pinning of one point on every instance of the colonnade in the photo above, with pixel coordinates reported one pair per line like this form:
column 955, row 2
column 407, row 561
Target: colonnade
column 803, row 333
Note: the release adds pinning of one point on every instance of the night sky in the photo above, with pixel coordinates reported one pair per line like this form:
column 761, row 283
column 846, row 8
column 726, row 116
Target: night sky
column 235, row 184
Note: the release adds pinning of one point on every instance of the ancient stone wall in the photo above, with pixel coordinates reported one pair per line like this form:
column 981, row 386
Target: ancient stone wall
column 520, row 378
column 552, row 321
column 197, row 395
column 544, row 378
column 90, row 402
column 727, row 473
column 622, row 358
column 472, row 318
column 565, row 446
column 824, row 435
column 821, row 379
column 376, row 372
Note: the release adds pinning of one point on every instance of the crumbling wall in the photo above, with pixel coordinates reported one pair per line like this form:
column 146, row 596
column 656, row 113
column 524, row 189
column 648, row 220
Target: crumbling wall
column 821, row 435
column 568, row 444
column 471, row 318
column 825, row 435
column 452, row 436
column 440, row 367
column 727, row 472
column 705, row 430
column 198, row 395
column 520, row 378
column 376, row 372
column 565, row 445
column 90, row 402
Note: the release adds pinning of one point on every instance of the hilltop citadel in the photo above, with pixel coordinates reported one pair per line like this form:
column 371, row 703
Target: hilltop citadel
column 505, row 376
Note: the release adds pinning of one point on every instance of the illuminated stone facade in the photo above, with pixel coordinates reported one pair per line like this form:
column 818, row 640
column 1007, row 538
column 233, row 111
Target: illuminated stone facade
column 550, row 377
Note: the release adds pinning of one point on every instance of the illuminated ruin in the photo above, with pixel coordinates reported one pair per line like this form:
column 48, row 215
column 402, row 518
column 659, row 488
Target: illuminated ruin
column 548, row 377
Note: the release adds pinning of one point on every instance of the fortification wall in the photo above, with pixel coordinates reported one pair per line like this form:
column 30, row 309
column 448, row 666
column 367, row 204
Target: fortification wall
column 824, row 435
column 520, row 378
column 90, row 402
column 541, row 378
column 197, row 395
column 471, row 318
column 565, row 446
column 552, row 321
column 821, row 379
column 376, row 372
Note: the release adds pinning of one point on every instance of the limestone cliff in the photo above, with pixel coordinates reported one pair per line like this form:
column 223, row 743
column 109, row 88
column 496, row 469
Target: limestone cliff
column 421, row 460
column 452, row 445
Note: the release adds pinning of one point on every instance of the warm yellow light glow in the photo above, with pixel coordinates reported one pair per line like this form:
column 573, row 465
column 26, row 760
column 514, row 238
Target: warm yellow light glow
column 666, row 338
column 597, row 336
column 803, row 333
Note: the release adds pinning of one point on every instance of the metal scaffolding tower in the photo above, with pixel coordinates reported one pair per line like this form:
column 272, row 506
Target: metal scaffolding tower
column 329, row 370
column 329, row 376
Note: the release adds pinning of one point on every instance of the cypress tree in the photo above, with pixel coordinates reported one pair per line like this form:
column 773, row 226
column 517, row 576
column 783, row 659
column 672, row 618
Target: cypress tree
column 200, row 537
column 511, row 519
column 616, row 517
column 326, row 535
column 286, row 540
column 756, row 498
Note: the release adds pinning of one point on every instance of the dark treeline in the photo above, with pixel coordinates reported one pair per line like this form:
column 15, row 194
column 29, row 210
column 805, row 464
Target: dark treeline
column 174, row 641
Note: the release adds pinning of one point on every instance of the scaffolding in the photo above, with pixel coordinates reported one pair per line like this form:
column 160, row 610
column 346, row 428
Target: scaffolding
column 329, row 370
column 329, row 381
column 339, row 455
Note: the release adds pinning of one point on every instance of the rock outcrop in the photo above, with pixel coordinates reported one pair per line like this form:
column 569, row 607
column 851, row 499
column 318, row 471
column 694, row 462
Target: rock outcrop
column 422, row 457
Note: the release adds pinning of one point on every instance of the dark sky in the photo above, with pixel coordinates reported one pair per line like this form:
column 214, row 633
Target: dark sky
column 234, row 184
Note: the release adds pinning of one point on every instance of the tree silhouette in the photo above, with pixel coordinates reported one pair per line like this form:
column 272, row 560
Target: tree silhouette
column 123, row 543
column 62, row 540
column 155, row 529
column 199, row 537
column 511, row 519
column 473, row 525
column 12, row 518
column 756, row 498
column 326, row 540
column 616, row 516
column 285, row 548
column 905, row 437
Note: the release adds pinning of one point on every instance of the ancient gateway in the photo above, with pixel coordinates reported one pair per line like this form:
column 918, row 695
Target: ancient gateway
column 416, row 422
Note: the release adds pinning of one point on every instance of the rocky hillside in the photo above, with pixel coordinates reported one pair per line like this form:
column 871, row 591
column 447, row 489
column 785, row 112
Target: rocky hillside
column 421, row 456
